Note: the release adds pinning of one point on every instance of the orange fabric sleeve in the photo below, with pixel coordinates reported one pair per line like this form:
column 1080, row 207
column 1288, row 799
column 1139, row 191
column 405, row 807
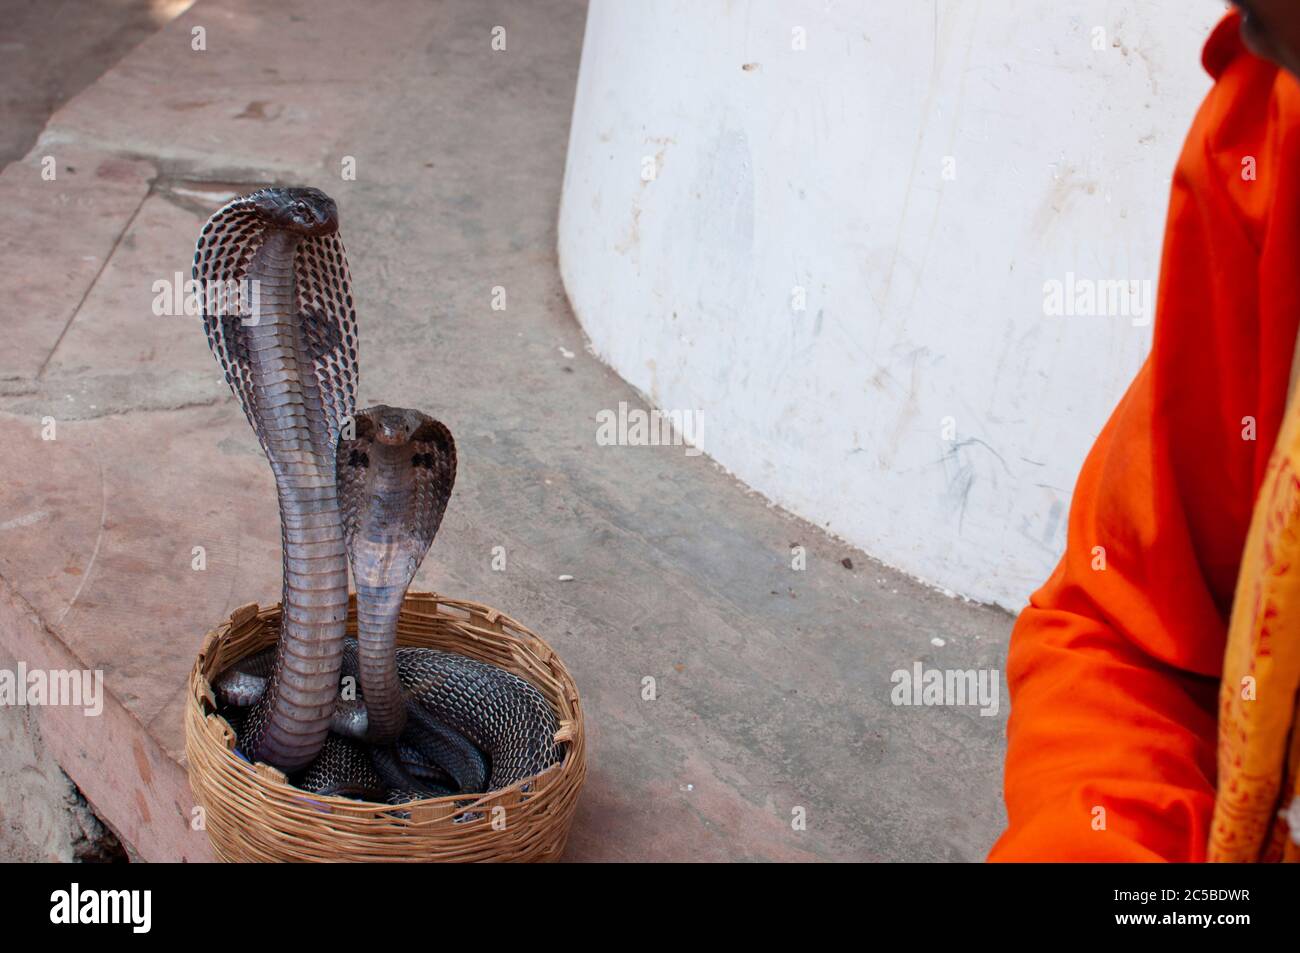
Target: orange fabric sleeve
column 1113, row 667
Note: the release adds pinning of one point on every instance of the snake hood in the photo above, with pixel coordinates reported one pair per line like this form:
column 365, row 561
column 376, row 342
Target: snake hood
column 278, row 314
column 395, row 475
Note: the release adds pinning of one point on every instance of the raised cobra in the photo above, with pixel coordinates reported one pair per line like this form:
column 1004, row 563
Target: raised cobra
column 277, row 309
column 395, row 476
column 394, row 479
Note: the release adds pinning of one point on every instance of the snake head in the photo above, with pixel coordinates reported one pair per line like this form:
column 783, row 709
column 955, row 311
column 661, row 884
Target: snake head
column 394, row 425
column 305, row 211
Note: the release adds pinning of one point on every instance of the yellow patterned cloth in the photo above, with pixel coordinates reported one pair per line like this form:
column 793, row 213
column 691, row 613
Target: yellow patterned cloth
column 1258, row 746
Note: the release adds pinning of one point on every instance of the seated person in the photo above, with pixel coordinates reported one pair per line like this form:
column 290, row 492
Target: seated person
column 1154, row 676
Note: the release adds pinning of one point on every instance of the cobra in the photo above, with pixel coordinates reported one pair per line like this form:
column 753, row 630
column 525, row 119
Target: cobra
column 278, row 313
column 395, row 475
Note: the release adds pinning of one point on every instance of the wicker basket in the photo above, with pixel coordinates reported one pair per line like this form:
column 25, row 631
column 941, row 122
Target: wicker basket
column 252, row 814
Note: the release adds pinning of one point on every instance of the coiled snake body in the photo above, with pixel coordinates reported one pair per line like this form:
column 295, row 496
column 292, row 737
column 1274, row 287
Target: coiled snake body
column 475, row 728
column 368, row 489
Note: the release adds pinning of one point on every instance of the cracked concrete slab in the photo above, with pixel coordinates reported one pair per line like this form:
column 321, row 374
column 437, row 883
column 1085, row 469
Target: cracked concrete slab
column 55, row 237
column 84, row 396
column 773, row 684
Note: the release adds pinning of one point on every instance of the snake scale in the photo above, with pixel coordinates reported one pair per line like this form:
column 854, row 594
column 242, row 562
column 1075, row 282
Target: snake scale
column 367, row 489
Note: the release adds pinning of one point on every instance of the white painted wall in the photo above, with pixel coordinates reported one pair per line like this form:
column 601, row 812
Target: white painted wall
column 823, row 169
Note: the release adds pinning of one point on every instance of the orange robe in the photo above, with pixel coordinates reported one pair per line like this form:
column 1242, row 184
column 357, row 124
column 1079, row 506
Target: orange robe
column 1114, row 672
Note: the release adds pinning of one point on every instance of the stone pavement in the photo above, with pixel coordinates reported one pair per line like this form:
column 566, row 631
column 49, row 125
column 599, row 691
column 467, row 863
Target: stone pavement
column 773, row 685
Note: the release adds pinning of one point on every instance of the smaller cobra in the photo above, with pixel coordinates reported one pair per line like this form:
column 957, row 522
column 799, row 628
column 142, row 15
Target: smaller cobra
column 395, row 474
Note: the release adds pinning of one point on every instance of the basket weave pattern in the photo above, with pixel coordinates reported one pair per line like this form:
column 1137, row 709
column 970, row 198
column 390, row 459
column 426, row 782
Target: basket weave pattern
column 252, row 814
